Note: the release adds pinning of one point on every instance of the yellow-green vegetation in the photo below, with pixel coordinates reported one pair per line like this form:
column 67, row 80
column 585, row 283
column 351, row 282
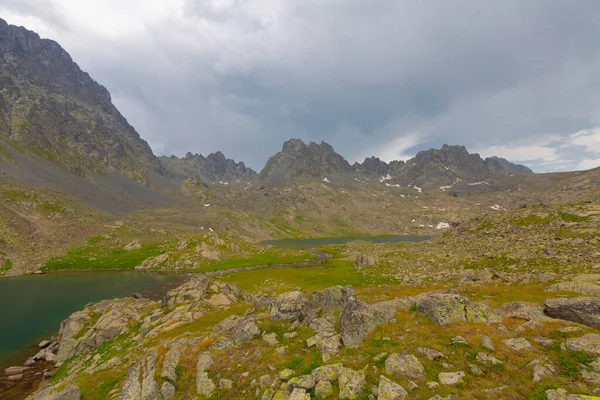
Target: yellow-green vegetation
column 96, row 258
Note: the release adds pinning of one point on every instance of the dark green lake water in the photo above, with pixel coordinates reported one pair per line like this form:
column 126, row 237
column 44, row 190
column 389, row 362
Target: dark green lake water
column 32, row 307
column 303, row 244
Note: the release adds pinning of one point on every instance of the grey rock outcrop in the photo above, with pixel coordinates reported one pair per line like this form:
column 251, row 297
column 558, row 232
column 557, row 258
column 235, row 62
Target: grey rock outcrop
column 359, row 319
column 448, row 307
column 583, row 310
column 332, row 299
column 288, row 307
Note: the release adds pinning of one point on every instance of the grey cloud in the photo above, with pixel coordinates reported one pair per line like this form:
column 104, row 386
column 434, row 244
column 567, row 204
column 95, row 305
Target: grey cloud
column 242, row 76
column 46, row 10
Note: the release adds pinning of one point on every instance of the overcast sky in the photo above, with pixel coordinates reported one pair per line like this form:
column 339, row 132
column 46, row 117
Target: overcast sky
column 513, row 78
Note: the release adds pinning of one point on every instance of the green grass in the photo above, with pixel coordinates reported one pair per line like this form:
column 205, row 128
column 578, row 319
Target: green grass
column 62, row 372
column 569, row 362
column 267, row 258
column 333, row 272
column 90, row 258
column 6, row 266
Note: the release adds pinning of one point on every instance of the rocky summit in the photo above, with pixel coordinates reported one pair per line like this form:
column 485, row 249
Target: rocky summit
column 446, row 276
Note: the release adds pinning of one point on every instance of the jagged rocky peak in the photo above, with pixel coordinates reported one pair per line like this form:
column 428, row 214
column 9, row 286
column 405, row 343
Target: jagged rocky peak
column 298, row 160
column 50, row 107
column 373, row 165
column 452, row 165
column 215, row 168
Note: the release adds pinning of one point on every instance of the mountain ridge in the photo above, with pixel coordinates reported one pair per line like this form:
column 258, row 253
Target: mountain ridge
column 50, row 107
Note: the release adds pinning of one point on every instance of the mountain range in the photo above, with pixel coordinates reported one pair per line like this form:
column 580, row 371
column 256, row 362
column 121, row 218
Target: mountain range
column 51, row 109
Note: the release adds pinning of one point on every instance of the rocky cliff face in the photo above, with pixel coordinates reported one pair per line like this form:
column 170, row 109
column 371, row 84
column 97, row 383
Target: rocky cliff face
column 298, row 161
column 50, row 107
column 212, row 168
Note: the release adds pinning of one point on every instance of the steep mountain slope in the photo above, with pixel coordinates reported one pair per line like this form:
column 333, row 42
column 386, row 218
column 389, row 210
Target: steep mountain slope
column 213, row 168
column 299, row 161
column 51, row 108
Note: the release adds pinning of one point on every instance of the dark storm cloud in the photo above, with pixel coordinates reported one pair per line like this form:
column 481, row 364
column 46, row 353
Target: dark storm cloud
column 382, row 77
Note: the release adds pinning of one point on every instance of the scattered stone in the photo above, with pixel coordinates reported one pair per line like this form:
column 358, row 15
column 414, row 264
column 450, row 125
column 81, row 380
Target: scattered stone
column 290, row 335
column 496, row 390
column 475, row 370
column 431, row 354
column 486, row 342
column 451, row 378
column 543, row 341
column 270, row 339
column 412, row 386
column 351, row 383
column 407, row 365
column 589, row 343
column 487, row 359
column 286, row 374
column 389, row 390
column 517, row 344
column 459, row 341
column 542, row 370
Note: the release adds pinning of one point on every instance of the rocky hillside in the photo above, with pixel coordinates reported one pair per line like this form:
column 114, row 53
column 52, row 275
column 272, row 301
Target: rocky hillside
column 450, row 167
column 298, row 161
column 51, row 108
column 213, row 168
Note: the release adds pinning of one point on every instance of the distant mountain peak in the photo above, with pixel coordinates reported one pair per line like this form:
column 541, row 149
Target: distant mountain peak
column 298, row 160
column 214, row 168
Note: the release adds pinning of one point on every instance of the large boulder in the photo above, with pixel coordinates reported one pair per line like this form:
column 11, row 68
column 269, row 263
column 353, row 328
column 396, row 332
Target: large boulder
column 288, row 307
column 448, row 307
column 358, row 320
column 583, row 310
column 332, row 299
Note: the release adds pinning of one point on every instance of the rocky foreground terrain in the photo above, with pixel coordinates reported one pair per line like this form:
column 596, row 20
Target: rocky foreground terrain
column 506, row 306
